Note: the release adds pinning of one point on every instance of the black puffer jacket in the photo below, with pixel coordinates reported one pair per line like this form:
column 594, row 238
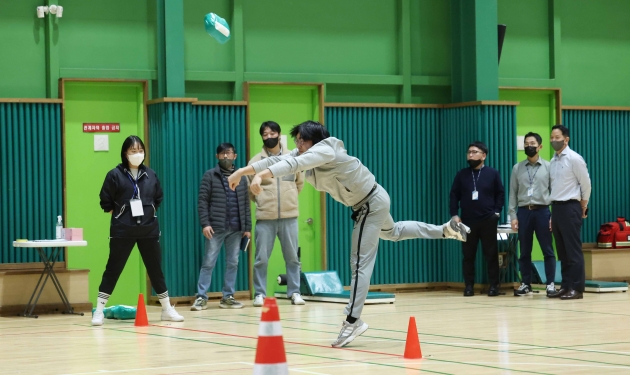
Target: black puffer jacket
column 116, row 192
column 212, row 201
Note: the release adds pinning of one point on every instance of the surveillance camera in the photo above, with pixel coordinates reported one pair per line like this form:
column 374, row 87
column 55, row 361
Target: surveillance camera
column 59, row 11
column 52, row 9
column 42, row 11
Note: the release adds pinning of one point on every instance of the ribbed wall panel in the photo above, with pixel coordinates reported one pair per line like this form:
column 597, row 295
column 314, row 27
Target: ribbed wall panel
column 601, row 137
column 30, row 176
column 399, row 145
column 183, row 141
column 495, row 126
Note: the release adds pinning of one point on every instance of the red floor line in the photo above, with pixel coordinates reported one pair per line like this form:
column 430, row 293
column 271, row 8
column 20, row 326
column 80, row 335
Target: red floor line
column 287, row 342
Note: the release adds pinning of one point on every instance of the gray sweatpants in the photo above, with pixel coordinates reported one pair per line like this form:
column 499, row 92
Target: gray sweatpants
column 373, row 222
column 265, row 235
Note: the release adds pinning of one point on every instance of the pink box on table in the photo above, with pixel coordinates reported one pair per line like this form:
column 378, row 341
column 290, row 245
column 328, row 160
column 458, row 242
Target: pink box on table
column 73, row 234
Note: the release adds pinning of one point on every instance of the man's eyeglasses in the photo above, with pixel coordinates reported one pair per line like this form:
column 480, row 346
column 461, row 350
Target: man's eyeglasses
column 298, row 142
column 474, row 152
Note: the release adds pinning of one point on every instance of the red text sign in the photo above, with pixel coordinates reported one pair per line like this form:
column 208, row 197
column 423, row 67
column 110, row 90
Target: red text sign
column 89, row 127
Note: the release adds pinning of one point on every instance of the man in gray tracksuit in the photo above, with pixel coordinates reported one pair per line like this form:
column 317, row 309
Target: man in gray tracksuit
column 329, row 168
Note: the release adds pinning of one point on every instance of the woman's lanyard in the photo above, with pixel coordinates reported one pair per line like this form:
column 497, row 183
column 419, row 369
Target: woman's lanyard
column 136, row 189
column 475, row 193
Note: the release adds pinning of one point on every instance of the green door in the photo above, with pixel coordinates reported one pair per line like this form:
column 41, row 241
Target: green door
column 85, row 168
column 288, row 105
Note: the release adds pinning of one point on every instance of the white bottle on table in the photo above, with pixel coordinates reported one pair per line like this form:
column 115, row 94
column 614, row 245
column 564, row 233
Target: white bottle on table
column 59, row 228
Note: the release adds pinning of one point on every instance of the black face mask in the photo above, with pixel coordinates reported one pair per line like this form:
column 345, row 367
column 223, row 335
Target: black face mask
column 226, row 163
column 474, row 163
column 271, row 142
column 531, row 151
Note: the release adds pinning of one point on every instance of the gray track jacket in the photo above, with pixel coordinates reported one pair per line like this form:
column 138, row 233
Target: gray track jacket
column 328, row 168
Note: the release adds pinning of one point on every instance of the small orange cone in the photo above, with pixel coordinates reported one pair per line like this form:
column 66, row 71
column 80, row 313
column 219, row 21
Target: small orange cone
column 412, row 348
column 270, row 356
column 141, row 313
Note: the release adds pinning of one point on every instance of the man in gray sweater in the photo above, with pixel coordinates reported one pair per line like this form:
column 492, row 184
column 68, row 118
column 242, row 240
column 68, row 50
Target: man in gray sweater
column 329, row 168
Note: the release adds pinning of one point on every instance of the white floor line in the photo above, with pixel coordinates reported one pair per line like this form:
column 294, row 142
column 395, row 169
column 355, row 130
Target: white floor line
column 154, row 368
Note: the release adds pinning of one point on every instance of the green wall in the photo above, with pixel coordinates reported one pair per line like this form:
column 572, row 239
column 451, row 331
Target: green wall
column 288, row 106
column 85, row 172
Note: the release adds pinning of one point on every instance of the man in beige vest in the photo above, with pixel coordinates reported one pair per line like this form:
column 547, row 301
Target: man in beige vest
column 276, row 215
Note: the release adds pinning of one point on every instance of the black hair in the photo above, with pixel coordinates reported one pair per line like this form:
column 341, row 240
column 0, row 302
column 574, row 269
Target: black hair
column 310, row 131
column 535, row 135
column 562, row 128
column 272, row 125
column 127, row 144
column 225, row 146
column 480, row 145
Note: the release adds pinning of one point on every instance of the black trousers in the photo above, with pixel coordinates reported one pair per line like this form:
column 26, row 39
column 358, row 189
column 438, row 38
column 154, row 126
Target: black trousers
column 566, row 224
column 119, row 250
column 486, row 231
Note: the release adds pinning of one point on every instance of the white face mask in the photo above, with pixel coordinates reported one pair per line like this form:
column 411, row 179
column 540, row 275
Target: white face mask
column 135, row 159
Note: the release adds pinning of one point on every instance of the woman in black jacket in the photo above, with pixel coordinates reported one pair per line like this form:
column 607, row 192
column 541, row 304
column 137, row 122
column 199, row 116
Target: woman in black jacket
column 131, row 193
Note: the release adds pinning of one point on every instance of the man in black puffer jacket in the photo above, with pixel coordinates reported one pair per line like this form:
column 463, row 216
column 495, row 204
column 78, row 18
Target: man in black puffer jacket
column 224, row 216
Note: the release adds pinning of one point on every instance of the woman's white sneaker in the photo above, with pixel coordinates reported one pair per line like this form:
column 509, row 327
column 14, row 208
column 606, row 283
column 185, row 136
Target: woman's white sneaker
column 172, row 315
column 97, row 318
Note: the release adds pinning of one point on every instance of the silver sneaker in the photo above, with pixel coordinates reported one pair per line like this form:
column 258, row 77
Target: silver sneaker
column 97, row 318
column 523, row 290
column 230, row 303
column 455, row 230
column 200, row 304
column 349, row 331
column 296, row 299
column 551, row 289
column 259, row 300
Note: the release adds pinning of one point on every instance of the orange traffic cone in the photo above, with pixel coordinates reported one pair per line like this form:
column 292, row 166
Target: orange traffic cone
column 141, row 313
column 412, row 347
column 270, row 355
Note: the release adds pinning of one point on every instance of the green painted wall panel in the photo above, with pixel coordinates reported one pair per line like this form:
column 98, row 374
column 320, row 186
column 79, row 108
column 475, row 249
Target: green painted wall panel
column 526, row 46
column 363, row 93
column 183, row 146
column 30, row 176
column 318, row 36
column 595, row 52
column 119, row 35
column 23, row 61
column 601, row 137
column 430, row 38
column 111, row 102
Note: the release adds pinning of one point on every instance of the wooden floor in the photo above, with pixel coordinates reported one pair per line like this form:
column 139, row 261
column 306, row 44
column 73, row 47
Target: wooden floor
column 478, row 335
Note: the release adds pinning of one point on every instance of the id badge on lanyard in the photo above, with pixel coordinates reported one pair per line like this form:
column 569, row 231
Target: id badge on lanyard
column 136, row 207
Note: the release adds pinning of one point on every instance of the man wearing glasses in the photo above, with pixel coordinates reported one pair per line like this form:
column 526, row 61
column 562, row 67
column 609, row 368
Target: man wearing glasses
column 479, row 192
column 529, row 213
column 225, row 217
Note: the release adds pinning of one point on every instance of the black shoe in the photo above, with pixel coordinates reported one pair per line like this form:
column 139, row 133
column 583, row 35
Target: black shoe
column 572, row 294
column 559, row 293
column 469, row 291
column 493, row 291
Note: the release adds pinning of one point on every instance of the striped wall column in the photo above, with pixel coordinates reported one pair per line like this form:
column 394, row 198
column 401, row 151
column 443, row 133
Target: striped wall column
column 183, row 141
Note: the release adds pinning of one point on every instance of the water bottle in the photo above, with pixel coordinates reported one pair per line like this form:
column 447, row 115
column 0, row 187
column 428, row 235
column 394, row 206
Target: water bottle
column 59, row 227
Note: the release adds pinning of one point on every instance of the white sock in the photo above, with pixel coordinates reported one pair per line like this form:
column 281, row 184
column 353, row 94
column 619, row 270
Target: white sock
column 164, row 300
column 101, row 301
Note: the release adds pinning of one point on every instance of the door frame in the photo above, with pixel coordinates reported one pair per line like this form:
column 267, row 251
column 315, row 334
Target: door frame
column 322, row 196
